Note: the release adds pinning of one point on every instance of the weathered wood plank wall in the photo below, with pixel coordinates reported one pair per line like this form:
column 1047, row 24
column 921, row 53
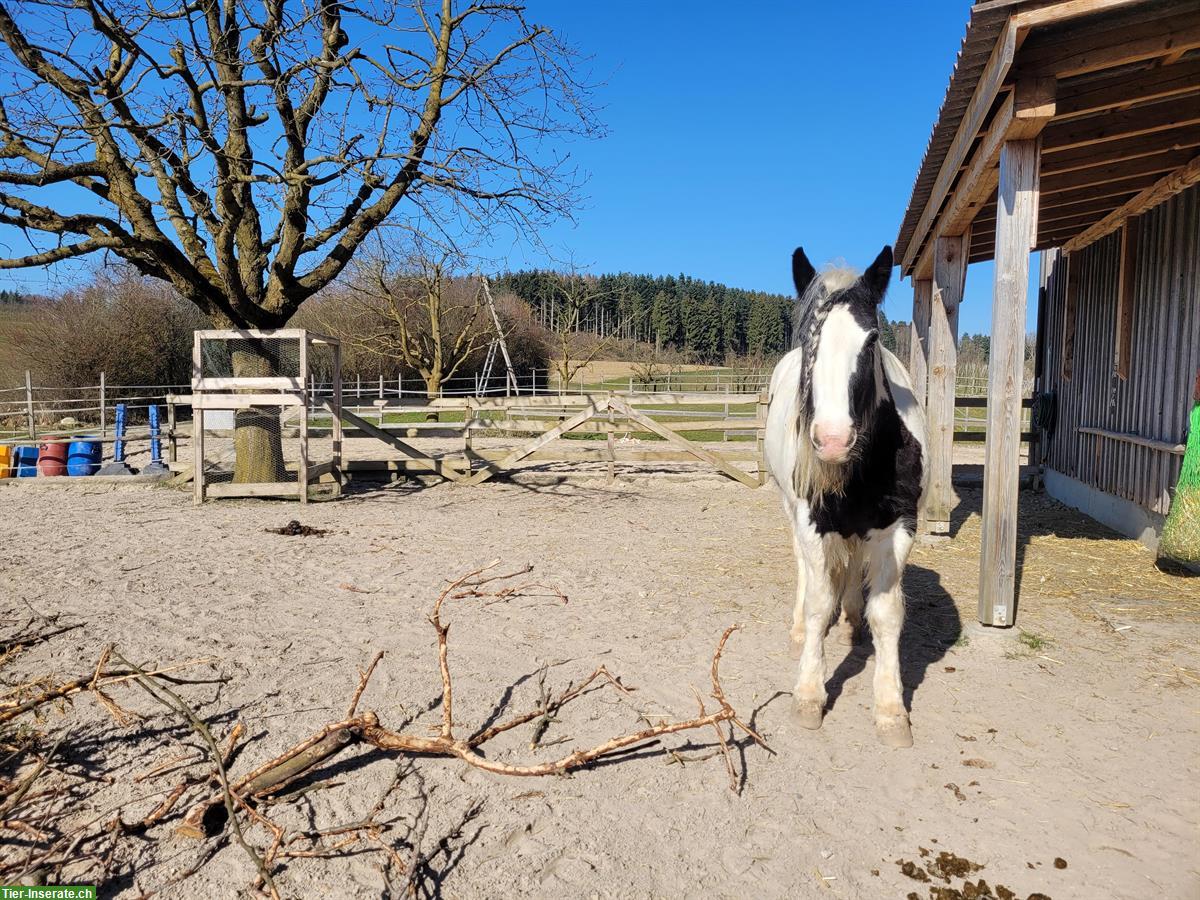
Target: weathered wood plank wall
column 1153, row 402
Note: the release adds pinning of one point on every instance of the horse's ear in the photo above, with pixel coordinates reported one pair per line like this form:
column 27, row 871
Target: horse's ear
column 802, row 271
column 879, row 273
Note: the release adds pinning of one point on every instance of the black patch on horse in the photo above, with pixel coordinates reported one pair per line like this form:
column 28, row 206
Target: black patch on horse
column 883, row 478
column 883, row 483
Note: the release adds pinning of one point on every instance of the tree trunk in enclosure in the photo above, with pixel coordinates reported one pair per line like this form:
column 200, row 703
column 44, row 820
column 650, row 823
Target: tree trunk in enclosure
column 257, row 435
column 433, row 388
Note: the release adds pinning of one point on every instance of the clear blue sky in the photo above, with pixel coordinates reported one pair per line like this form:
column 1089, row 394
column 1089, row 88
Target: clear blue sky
column 737, row 132
column 740, row 131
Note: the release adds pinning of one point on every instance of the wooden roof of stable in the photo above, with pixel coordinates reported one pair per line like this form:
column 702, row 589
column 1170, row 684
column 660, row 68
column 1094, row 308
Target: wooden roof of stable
column 1113, row 88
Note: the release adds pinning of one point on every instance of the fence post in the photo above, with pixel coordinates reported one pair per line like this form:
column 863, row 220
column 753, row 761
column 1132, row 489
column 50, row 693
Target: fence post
column 29, row 404
column 381, row 387
column 358, row 389
column 172, row 438
column 103, row 405
column 399, row 386
column 760, row 456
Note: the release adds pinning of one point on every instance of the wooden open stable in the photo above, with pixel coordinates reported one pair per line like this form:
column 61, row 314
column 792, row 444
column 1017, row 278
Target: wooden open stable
column 1071, row 126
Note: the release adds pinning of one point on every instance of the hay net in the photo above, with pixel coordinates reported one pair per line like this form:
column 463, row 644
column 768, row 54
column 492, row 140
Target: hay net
column 1180, row 538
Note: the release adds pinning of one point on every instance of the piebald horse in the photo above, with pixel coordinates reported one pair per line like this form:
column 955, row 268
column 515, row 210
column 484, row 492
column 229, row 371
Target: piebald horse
column 845, row 442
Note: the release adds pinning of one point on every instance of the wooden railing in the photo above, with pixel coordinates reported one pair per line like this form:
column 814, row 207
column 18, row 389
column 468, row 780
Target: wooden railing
column 981, row 403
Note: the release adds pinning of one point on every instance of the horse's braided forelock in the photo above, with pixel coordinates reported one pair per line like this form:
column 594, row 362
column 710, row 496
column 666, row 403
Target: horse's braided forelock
column 810, row 340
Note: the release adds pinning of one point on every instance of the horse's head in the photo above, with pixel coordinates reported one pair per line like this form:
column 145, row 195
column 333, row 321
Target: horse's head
column 836, row 325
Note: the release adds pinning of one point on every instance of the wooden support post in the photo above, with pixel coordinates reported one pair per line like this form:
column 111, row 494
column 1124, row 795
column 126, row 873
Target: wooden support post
column 197, row 455
column 302, row 468
column 918, row 350
column 760, row 453
column 172, row 434
column 335, row 408
column 103, row 405
column 468, row 427
column 197, row 427
column 1016, row 225
column 949, row 275
column 29, row 405
column 609, row 428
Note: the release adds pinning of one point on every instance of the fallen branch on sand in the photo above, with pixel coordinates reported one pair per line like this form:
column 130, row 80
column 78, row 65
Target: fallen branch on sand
column 29, row 697
column 222, row 807
column 318, row 748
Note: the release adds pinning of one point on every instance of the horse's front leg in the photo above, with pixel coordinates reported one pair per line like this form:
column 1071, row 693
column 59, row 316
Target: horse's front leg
column 796, row 642
column 808, row 696
column 888, row 553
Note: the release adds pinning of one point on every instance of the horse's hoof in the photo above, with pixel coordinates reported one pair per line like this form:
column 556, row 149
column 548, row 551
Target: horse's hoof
column 795, row 646
column 808, row 713
column 894, row 731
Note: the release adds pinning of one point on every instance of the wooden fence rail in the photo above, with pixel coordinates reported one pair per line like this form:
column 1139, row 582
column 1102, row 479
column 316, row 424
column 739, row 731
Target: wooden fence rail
column 979, row 436
column 674, row 421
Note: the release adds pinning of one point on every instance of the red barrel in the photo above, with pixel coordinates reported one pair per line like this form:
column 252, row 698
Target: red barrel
column 52, row 459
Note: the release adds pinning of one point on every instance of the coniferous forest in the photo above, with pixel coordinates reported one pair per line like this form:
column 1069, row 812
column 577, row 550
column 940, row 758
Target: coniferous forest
column 708, row 321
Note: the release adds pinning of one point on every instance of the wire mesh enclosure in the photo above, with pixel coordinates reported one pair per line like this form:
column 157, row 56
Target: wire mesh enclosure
column 259, row 427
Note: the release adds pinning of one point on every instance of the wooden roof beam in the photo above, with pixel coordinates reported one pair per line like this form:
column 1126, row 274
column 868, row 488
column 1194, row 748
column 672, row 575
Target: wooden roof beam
column 1166, row 187
column 1048, row 213
column 988, row 86
column 1022, row 116
column 1126, row 88
column 1053, row 12
column 1140, row 37
column 1158, row 164
column 1164, row 115
column 1056, row 162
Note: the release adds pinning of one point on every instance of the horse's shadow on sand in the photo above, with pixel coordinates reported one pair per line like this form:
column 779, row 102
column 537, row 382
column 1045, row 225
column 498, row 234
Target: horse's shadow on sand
column 932, row 626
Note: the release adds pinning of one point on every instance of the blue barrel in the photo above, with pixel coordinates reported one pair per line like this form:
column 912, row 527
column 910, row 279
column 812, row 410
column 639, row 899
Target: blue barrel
column 25, row 462
column 84, row 457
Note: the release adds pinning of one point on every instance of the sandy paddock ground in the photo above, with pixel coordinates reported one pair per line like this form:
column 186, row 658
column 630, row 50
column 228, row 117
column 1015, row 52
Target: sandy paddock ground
column 1072, row 737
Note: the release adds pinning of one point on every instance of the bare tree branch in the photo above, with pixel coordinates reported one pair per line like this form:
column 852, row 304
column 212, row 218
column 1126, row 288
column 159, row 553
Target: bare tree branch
column 245, row 153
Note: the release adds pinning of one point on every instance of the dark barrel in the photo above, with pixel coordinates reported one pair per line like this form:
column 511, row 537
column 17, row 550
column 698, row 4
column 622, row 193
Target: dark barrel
column 52, row 459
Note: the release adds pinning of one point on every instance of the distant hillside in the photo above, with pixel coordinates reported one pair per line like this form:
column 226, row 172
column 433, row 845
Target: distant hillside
column 705, row 320
column 15, row 320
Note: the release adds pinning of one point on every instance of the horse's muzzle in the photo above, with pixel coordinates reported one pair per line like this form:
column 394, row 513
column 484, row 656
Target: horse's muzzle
column 833, row 445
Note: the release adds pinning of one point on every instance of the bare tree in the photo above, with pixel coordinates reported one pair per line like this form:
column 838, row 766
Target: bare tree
column 245, row 152
column 136, row 330
column 573, row 351
column 416, row 311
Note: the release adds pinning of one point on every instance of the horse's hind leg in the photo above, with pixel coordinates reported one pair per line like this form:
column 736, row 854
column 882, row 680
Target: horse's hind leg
column 850, row 593
column 885, row 611
column 808, row 696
